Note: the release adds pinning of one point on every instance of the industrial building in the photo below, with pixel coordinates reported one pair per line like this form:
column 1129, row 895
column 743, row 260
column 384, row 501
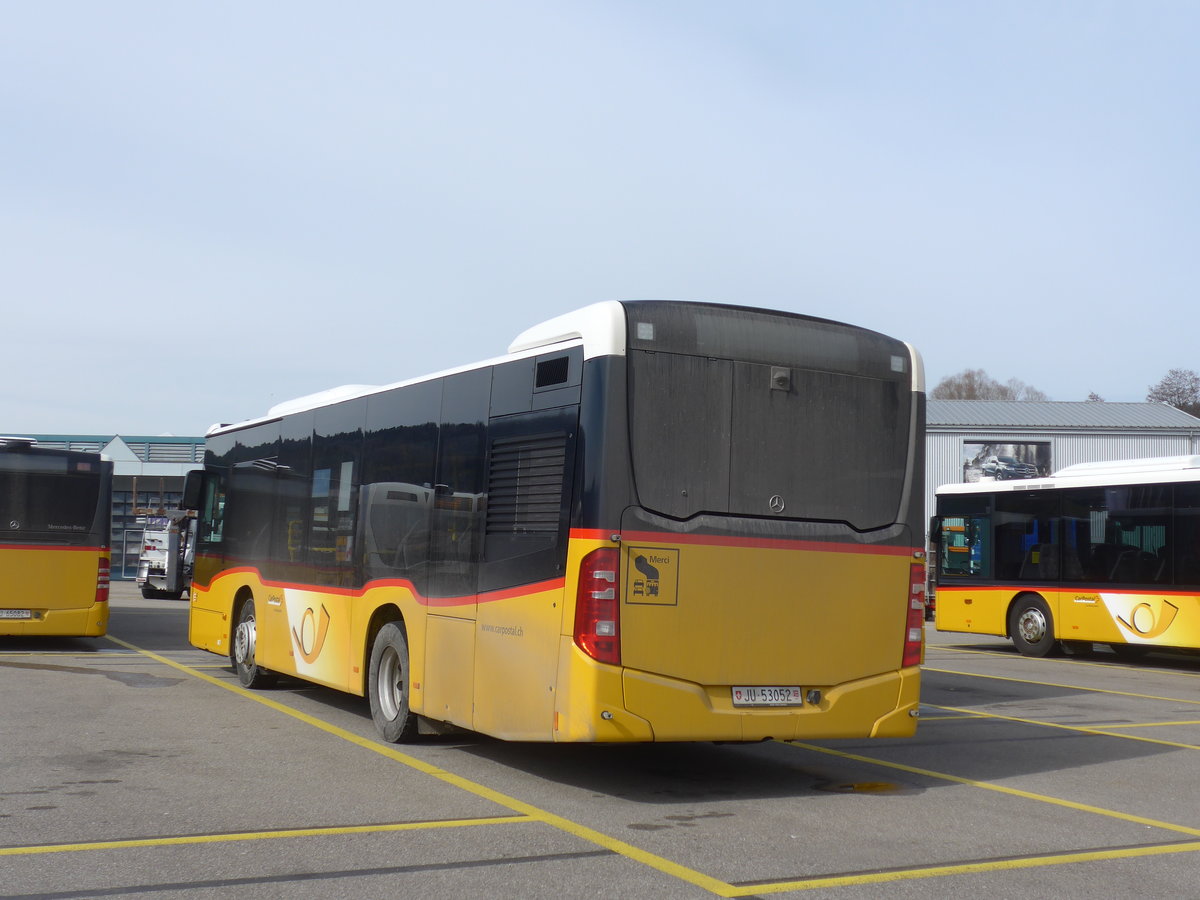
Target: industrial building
column 971, row 440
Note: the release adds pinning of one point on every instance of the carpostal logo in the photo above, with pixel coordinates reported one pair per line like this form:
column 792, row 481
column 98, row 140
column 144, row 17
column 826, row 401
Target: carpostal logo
column 310, row 639
column 1142, row 621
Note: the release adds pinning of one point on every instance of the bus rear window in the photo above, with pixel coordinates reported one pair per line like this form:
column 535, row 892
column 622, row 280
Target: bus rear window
column 43, row 506
column 812, row 422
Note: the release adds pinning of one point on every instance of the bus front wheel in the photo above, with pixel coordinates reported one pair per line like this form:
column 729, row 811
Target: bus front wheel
column 1031, row 626
column 241, row 654
column 388, row 684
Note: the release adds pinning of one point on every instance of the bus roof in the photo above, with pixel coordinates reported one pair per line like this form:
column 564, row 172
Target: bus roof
column 1148, row 470
column 600, row 328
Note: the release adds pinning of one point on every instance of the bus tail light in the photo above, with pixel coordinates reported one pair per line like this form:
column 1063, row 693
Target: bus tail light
column 914, row 629
column 598, row 606
column 102, row 581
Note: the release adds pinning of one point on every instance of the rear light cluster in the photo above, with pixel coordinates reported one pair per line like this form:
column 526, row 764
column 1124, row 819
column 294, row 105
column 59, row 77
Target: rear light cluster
column 914, row 633
column 598, row 606
column 102, row 581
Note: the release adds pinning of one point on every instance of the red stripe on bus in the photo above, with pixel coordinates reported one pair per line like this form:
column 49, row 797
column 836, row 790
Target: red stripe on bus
column 70, row 547
column 1082, row 587
column 554, row 584
column 715, row 540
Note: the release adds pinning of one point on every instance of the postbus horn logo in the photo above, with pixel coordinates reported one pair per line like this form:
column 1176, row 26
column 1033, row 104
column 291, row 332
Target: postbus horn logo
column 1142, row 621
column 311, row 637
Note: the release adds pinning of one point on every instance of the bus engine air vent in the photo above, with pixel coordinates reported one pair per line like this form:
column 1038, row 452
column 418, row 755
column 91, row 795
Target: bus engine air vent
column 552, row 371
column 525, row 485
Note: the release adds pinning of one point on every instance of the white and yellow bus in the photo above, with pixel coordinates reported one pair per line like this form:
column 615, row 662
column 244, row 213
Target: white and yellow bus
column 1099, row 553
column 649, row 521
column 55, row 522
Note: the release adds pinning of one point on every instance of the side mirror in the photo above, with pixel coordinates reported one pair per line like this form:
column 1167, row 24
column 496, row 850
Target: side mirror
column 193, row 490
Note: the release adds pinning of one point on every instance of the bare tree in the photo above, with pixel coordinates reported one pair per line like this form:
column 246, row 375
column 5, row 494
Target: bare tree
column 1095, row 398
column 1180, row 388
column 976, row 384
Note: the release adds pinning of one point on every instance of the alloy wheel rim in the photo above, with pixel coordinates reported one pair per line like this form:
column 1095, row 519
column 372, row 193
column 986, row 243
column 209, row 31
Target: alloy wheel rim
column 390, row 683
column 1032, row 625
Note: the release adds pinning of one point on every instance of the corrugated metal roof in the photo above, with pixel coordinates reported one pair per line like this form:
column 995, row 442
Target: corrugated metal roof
column 158, row 448
column 1058, row 414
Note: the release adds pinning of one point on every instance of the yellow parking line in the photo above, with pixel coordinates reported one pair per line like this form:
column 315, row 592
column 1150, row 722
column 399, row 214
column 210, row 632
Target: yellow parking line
column 1011, row 654
column 998, row 865
column 65, row 654
column 1071, row 687
column 528, row 812
column 259, row 835
column 1007, row 652
column 582, row 832
column 1082, row 729
column 1002, row 789
column 1147, row 724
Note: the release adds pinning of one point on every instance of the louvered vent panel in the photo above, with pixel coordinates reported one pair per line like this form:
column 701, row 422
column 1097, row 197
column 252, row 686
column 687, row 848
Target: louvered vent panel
column 169, row 453
column 525, row 485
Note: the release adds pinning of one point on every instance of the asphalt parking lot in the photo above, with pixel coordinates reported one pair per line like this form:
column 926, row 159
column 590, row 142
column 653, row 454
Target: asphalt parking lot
column 136, row 766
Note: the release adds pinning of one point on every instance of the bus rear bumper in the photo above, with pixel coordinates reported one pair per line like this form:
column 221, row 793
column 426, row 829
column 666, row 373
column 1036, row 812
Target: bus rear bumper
column 880, row 706
column 91, row 621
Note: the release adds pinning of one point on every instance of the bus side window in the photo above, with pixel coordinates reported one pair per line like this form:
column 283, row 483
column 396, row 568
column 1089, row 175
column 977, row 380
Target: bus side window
column 965, row 548
column 211, row 526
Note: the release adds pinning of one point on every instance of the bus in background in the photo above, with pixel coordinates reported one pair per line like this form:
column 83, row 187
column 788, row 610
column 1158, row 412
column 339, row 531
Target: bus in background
column 55, row 521
column 1098, row 553
column 649, row 521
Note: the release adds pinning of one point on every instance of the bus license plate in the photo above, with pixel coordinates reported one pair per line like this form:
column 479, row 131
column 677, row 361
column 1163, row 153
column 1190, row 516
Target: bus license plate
column 767, row 696
column 16, row 613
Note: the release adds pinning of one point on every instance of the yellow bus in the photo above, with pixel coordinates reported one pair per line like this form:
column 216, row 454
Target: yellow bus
column 649, row 521
column 1098, row 553
column 55, row 522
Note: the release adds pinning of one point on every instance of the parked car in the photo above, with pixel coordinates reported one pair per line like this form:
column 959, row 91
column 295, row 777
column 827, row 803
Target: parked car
column 1005, row 468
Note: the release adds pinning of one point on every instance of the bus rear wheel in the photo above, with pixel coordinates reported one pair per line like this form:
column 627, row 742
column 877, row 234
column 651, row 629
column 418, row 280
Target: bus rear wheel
column 1031, row 626
column 241, row 653
column 388, row 685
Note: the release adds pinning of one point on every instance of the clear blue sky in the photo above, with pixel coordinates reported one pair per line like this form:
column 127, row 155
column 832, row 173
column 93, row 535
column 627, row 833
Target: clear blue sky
column 211, row 208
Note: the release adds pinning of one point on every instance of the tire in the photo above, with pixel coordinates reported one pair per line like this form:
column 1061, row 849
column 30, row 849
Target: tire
column 388, row 683
column 242, row 650
column 1031, row 626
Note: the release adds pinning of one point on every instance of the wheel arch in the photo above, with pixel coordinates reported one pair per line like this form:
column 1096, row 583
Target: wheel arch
column 244, row 593
column 1015, row 601
column 388, row 612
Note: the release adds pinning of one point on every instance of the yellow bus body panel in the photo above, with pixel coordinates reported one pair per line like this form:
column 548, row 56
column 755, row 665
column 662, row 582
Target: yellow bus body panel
column 516, row 662
column 505, row 663
column 316, row 634
column 57, row 585
column 754, row 616
column 751, row 615
column 973, row 610
column 1150, row 618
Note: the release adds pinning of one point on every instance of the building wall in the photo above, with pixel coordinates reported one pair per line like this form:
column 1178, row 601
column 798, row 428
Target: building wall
column 944, row 448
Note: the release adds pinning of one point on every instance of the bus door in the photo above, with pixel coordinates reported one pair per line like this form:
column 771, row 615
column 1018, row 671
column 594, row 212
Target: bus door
column 456, row 524
column 526, row 528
